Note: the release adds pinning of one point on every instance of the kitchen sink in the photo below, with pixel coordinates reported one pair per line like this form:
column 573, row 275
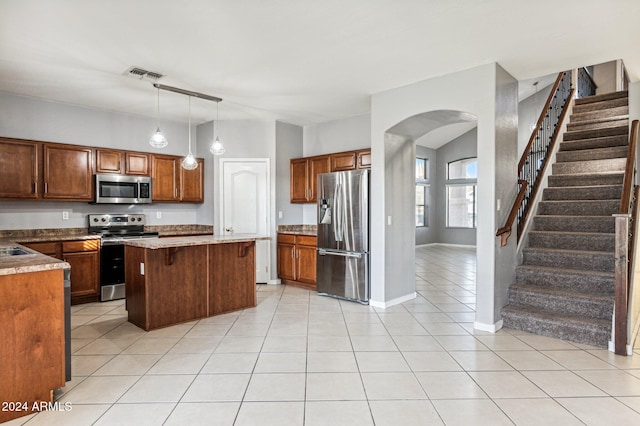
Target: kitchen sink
column 13, row 251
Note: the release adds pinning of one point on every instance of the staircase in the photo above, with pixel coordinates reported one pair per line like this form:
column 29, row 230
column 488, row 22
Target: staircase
column 565, row 285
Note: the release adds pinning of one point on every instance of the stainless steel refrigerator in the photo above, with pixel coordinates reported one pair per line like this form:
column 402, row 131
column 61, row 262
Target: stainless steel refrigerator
column 343, row 235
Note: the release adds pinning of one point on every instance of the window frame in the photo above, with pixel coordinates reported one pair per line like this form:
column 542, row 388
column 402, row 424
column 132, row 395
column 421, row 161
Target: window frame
column 462, row 182
column 424, row 183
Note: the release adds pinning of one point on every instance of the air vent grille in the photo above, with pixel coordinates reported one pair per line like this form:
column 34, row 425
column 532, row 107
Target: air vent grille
column 142, row 74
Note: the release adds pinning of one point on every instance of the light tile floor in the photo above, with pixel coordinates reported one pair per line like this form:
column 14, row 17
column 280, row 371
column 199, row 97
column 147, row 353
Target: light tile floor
column 302, row 359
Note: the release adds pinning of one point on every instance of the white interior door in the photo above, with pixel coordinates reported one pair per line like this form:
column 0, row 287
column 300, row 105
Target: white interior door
column 244, row 206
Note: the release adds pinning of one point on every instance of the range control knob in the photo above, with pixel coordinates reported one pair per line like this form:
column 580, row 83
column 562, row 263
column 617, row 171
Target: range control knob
column 139, row 219
column 131, row 219
column 95, row 219
column 103, row 219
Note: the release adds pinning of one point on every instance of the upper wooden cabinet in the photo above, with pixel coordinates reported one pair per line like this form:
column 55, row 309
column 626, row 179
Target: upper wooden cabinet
column 122, row 162
column 136, row 163
column 304, row 171
column 68, row 172
column 304, row 177
column 173, row 183
column 20, row 168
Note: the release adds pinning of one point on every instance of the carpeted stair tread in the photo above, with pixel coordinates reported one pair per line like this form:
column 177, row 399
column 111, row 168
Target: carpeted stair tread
column 574, row 328
column 586, row 179
column 591, row 192
column 591, row 143
column 591, row 166
column 602, row 97
column 592, row 154
column 603, row 114
column 586, row 260
column 566, row 279
column 600, row 106
column 566, row 223
column 595, row 133
column 579, row 207
column 598, row 124
column 594, row 241
column 590, row 305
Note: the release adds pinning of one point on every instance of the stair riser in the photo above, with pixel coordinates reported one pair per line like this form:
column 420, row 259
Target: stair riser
column 599, row 133
column 583, row 262
column 574, row 224
column 611, row 112
column 563, row 304
column 586, row 180
column 583, row 193
column 565, row 281
column 606, row 142
column 599, row 106
column 596, row 166
column 579, row 208
column 568, row 332
column 572, row 127
column 592, row 154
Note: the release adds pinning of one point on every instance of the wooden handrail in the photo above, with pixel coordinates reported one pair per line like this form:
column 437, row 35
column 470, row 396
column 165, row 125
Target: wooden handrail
column 627, row 183
column 505, row 231
column 525, row 153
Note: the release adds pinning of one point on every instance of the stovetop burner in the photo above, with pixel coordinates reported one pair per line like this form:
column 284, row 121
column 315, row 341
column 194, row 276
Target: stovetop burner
column 116, row 227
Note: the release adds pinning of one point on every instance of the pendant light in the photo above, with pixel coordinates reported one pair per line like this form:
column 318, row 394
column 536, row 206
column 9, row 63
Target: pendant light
column 158, row 140
column 189, row 162
column 216, row 147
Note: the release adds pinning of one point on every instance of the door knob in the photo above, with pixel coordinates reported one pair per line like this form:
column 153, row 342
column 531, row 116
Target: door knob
column 229, row 229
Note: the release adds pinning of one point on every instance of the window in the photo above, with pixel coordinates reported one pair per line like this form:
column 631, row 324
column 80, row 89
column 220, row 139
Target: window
column 461, row 190
column 422, row 192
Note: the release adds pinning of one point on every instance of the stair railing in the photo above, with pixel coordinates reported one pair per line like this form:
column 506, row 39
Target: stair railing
column 626, row 307
column 535, row 157
column 586, row 85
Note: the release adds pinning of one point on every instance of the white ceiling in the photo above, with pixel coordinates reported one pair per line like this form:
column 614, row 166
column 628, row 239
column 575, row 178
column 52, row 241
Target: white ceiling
column 301, row 62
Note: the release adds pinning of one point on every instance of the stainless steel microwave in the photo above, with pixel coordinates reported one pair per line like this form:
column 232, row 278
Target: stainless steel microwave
column 119, row 189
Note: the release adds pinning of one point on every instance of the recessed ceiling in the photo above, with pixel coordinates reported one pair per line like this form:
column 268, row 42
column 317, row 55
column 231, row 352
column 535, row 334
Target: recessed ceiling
column 296, row 61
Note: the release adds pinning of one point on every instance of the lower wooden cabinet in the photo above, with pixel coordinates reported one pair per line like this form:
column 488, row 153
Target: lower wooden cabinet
column 297, row 260
column 84, row 258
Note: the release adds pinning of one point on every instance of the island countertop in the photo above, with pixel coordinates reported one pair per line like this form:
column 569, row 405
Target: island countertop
column 33, row 262
column 197, row 240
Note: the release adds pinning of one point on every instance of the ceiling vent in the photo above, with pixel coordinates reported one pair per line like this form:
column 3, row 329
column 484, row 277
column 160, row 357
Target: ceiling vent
column 142, row 74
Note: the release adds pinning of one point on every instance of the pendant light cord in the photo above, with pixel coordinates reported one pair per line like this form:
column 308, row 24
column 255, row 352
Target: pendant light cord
column 189, row 124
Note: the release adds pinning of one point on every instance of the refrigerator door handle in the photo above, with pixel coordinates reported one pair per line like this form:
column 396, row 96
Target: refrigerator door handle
column 323, row 252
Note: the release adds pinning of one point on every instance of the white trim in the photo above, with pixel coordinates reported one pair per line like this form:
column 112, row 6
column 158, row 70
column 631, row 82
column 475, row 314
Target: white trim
column 392, row 302
column 446, row 245
column 274, row 282
column 491, row 328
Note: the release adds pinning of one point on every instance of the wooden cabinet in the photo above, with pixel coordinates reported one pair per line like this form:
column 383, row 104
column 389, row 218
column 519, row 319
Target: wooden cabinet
column 20, row 168
column 232, row 280
column 364, row 158
column 68, row 172
column 122, row 162
column 304, row 171
column 172, row 183
column 343, row 161
column 136, row 163
column 32, row 351
column 304, row 177
column 297, row 260
column 84, row 258
column 192, row 184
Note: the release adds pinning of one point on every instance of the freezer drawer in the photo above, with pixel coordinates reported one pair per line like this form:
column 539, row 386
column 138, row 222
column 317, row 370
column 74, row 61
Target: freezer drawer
column 343, row 274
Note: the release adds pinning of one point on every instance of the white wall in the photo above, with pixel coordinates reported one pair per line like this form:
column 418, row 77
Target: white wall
column 491, row 95
column 29, row 118
column 529, row 110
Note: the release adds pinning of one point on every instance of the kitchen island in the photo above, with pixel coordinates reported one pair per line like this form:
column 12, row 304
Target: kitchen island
column 179, row 279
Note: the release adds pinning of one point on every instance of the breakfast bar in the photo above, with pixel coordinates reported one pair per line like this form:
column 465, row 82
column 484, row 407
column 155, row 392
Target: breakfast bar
column 180, row 279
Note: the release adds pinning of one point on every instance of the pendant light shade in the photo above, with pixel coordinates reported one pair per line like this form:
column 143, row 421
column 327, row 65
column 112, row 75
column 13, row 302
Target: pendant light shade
column 157, row 139
column 189, row 162
column 216, row 147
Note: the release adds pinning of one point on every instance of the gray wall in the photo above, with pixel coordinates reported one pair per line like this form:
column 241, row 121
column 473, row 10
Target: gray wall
column 289, row 144
column 529, row 110
column 464, row 146
column 427, row 234
column 604, row 75
column 29, row 118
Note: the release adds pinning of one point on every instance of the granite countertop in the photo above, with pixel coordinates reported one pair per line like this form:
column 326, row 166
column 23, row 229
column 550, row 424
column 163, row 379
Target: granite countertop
column 32, row 262
column 199, row 240
column 40, row 235
column 298, row 229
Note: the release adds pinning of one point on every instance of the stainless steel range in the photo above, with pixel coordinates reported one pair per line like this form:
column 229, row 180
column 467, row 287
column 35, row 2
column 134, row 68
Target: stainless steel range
column 114, row 229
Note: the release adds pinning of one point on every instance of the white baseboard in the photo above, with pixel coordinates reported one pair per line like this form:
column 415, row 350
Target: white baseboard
column 276, row 281
column 491, row 328
column 445, row 245
column 612, row 348
column 389, row 303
